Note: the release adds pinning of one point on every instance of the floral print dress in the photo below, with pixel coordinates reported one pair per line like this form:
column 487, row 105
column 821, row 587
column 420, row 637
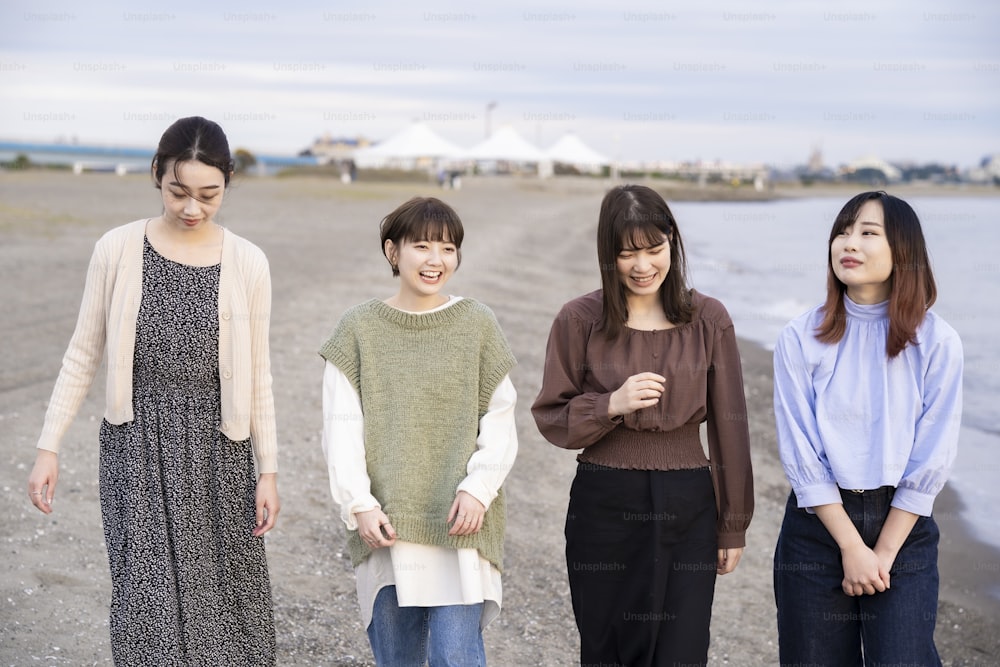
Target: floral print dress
column 189, row 581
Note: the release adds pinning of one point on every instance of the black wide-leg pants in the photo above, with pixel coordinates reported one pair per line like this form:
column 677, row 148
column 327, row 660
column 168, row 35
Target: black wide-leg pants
column 641, row 557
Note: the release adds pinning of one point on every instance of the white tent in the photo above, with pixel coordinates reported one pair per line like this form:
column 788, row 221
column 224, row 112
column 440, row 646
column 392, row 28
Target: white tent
column 414, row 146
column 505, row 145
column 572, row 151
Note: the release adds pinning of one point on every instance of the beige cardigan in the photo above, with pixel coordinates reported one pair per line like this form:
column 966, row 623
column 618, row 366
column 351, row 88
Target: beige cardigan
column 107, row 321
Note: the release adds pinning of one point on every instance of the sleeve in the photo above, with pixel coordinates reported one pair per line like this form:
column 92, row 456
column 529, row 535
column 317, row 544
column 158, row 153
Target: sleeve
column 263, row 429
column 496, row 446
column 800, row 445
column 935, row 443
column 83, row 356
column 729, row 440
column 565, row 414
column 344, row 446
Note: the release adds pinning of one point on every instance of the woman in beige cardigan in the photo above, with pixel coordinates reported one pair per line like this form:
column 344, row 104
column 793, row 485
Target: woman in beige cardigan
column 181, row 307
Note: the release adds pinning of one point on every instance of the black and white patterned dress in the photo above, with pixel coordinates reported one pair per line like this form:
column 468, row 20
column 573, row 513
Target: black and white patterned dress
column 189, row 580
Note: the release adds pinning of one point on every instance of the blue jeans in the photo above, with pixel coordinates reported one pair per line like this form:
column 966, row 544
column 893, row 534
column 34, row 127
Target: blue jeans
column 818, row 624
column 409, row 636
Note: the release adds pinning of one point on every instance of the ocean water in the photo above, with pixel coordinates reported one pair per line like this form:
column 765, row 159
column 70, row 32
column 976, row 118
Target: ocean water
column 767, row 263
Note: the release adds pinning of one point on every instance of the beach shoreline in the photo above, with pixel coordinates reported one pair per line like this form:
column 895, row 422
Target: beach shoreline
column 528, row 250
column 676, row 190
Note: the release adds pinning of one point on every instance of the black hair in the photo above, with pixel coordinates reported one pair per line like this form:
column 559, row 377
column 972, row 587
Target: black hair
column 192, row 138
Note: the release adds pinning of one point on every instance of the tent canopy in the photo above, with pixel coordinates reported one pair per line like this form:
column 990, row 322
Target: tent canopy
column 571, row 150
column 413, row 142
column 505, row 144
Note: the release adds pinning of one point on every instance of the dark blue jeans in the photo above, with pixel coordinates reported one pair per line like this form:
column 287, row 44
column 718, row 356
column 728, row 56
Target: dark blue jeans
column 818, row 624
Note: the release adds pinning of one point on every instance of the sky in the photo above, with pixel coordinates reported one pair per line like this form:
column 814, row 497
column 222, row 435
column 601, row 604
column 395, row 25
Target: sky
column 711, row 80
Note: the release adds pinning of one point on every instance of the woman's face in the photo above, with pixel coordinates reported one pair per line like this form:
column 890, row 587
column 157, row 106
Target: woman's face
column 861, row 257
column 643, row 270
column 424, row 266
column 192, row 194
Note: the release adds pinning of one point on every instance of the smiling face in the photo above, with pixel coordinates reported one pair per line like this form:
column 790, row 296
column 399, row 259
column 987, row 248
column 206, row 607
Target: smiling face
column 424, row 268
column 642, row 270
column 861, row 258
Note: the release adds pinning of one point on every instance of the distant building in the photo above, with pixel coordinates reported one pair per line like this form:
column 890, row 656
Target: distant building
column 872, row 170
column 327, row 149
column 931, row 172
column 988, row 170
column 814, row 170
column 815, row 165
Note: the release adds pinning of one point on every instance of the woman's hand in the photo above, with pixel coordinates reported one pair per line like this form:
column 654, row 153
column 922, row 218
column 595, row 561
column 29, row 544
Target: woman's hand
column 267, row 503
column 886, row 559
column 639, row 391
column 42, row 481
column 863, row 571
column 467, row 513
column 897, row 527
column 375, row 529
column 728, row 560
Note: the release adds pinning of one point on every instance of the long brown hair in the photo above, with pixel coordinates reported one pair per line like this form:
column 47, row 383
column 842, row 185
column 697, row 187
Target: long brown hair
column 641, row 216
column 912, row 289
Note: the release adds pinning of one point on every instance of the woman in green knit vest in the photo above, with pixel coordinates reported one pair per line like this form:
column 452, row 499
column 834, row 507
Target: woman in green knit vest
column 419, row 435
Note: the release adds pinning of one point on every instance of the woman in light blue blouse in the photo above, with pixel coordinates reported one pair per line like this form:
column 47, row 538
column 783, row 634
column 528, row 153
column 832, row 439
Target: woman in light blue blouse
column 867, row 402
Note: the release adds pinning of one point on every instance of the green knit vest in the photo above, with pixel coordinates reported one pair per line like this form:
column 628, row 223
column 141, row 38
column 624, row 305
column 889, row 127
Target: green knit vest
column 424, row 381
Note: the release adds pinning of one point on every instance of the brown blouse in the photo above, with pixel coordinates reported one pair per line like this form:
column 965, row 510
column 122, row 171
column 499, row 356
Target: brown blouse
column 701, row 362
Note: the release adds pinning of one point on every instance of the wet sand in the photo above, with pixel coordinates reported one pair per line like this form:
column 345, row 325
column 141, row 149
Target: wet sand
column 528, row 249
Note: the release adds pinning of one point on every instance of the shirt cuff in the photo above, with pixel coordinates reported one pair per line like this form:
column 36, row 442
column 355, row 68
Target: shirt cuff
column 477, row 490
column 601, row 412
column 732, row 540
column 913, row 501
column 363, row 504
column 827, row 493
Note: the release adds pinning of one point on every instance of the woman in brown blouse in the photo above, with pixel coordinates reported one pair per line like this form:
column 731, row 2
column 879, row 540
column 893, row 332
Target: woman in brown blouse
column 631, row 371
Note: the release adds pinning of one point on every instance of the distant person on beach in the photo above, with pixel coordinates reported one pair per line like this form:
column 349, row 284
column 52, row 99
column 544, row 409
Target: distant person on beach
column 867, row 402
column 419, row 435
column 631, row 372
column 180, row 306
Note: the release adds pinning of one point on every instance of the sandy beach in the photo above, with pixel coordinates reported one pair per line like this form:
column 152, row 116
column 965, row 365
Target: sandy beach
column 529, row 248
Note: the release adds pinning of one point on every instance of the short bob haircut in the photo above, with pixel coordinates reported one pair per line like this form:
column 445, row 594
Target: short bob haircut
column 422, row 219
column 634, row 217
column 912, row 289
column 192, row 138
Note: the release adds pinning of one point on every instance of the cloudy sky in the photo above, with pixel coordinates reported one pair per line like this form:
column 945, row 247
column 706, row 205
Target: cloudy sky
column 731, row 80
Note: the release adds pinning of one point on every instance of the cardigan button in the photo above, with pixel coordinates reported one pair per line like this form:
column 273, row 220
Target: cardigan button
column 227, row 374
column 226, row 315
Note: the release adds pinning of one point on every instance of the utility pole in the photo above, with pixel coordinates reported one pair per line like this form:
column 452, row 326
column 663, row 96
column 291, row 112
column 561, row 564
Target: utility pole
column 489, row 108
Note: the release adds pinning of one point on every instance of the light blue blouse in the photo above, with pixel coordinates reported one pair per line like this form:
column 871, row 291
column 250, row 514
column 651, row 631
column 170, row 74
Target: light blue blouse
column 847, row 416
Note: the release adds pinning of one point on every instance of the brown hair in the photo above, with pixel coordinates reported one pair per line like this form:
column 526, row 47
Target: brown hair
column 639, row 215
column 912, row 289
column 422, row 219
